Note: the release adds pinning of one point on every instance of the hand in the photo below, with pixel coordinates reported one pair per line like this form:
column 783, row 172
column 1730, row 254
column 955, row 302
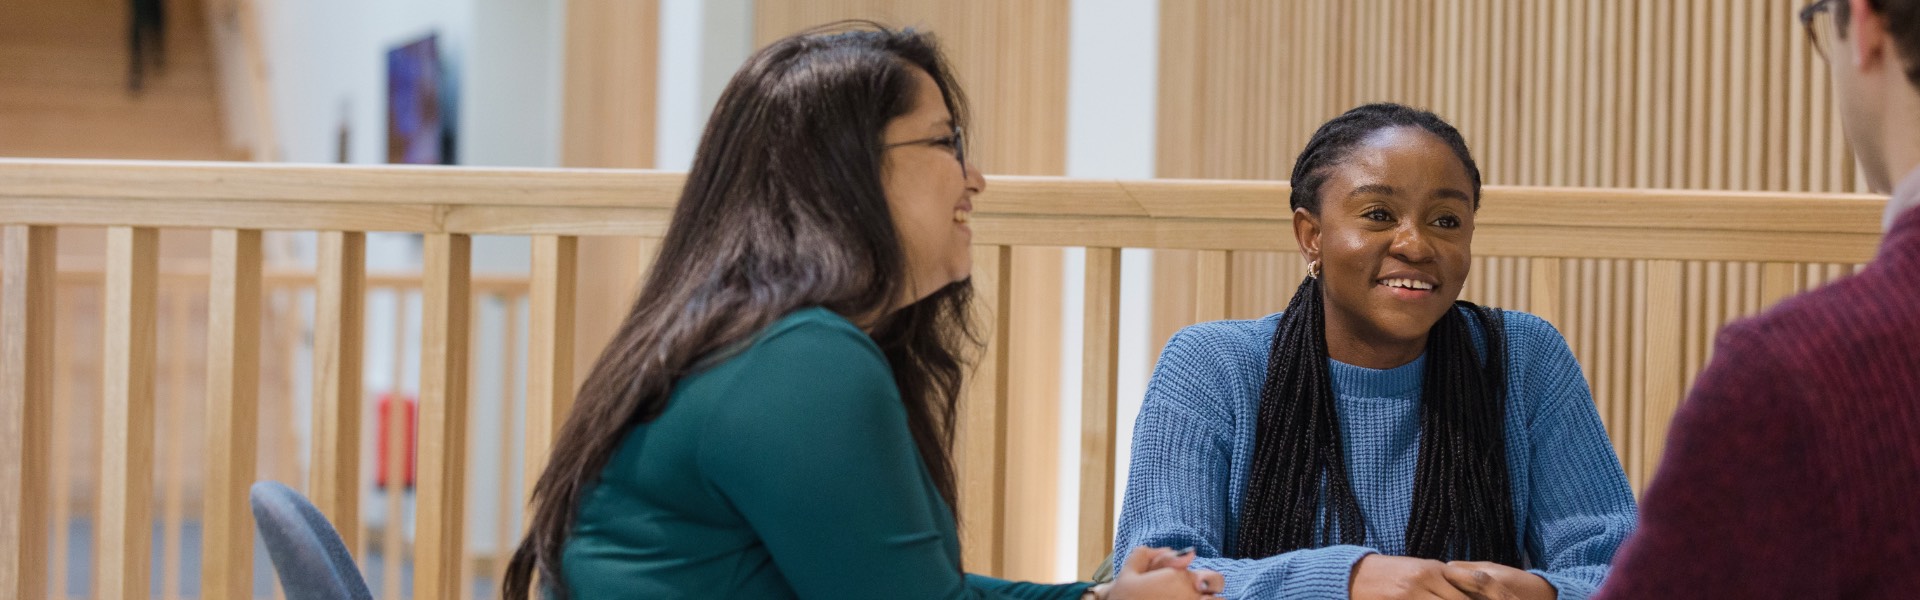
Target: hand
column 1382, row 577
column 1157, row 573
column 1501, row 582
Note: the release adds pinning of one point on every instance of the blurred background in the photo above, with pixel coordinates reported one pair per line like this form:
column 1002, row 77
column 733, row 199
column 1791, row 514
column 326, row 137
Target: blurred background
column 1697, row 94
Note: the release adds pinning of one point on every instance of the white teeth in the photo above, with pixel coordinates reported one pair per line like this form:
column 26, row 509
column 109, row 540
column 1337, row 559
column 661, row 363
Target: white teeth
column 961, row 216
column 1407, row 283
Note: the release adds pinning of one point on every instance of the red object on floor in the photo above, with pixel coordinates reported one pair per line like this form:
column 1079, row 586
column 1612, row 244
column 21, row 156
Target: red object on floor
column 408, row 435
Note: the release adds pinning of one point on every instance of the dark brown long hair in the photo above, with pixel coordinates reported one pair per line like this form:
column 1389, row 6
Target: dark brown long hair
column 1298, row 491
column 784, row 209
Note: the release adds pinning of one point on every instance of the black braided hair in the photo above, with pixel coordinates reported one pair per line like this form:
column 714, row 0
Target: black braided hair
column 1299, row 494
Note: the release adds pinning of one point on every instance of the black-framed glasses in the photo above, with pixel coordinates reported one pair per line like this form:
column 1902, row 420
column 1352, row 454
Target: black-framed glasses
column 1808, row 17
column 956, row 141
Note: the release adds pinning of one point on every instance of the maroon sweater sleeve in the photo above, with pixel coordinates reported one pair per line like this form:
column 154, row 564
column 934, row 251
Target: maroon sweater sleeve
column 1733, row 509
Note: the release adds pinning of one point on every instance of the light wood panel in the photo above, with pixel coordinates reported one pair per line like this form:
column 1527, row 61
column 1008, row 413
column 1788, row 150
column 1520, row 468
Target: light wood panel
column 981, row 448
column 233, row 388
column 439, row 530
column 125, row 530
column 339, row 325
column 550, row 346
column 1099, row 407
column 26, row 406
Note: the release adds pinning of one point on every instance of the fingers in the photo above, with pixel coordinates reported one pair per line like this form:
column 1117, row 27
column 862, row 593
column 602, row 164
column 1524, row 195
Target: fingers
column 1170, row 559
column 1140, row 559
column 1209, row 583
column 1444, row 588
column 1475, row 583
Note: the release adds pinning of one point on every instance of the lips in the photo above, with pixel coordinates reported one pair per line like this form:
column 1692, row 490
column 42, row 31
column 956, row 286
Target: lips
column 963, row 213
column 1409, row 285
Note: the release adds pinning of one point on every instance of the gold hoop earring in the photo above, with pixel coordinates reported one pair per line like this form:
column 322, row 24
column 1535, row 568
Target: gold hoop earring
column 1313, row 269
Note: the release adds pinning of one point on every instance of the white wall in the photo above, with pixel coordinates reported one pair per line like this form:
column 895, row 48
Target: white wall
column 327, row 67
column 1112, row 82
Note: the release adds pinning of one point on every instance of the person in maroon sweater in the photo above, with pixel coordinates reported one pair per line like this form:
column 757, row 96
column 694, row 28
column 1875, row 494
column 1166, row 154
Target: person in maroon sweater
column 1793, row 469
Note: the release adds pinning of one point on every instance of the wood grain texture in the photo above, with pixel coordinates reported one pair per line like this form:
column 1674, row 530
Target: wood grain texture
column 339, row 329
column 123, row 566
column 440, row 527
column 27, row 318
column 1099, row 405
column 980, row 452
column 233, row 396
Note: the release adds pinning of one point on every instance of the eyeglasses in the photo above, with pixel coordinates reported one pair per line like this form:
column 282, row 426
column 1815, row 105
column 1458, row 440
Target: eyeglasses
column 1807, row 17
column 956, row 141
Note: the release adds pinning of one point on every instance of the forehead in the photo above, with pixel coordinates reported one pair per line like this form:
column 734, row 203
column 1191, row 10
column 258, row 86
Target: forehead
column 1409, row 159
column 929, row 107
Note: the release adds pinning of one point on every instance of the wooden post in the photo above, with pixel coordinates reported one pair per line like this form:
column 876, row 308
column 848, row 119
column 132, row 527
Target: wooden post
column 1213, row 286
column 233, row 389
column 124, row 541
column 338, row 329
column 439, row 539
column 981, row 451
column 26, row 405
column 1666, row 345
column 550, row 346
column 1100, row 375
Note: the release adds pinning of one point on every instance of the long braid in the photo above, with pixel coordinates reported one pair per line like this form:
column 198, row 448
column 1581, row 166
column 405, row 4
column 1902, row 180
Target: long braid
column 1299, row 494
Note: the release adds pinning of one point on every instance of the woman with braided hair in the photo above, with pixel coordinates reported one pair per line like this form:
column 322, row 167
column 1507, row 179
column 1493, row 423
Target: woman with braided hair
column 1380, row 438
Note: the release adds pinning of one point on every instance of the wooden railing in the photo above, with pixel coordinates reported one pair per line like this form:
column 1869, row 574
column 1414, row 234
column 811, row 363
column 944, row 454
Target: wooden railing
column 1614, row 269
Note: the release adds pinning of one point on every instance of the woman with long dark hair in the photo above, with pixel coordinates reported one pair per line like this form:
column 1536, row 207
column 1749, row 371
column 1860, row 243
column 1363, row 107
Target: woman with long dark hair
column 1380, row 438
column 774, row 418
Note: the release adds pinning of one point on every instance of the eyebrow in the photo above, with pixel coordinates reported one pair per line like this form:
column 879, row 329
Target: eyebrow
column 1387, row 190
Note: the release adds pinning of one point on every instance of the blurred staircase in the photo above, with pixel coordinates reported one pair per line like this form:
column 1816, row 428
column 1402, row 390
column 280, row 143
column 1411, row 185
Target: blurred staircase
column 64, row 85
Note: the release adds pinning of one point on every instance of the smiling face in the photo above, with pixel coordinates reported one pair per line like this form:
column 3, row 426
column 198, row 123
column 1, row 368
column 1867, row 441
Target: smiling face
column 1393, row 237
column 929, row 192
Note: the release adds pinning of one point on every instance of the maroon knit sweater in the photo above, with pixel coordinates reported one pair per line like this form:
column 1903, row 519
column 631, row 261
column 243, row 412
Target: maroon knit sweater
column 1793, row 469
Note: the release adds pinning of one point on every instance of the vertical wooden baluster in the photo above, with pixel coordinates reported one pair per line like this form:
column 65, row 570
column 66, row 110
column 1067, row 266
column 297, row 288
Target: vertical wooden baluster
column 1213, row 286
column 1603, row 364
column 1777, row 281
column 550, row 343
column 233, row 394
column 1099, row 406
column 400, row 428
column 504, row 531
column 981, row 454
column 27, row 288
column 338, row 329
column 59, row 483
column 1665, row 348
column 124, row 540
column 1543, row 287
column 1636, row 411
column 439, row 538
column 173, row 431
column 1623, row 358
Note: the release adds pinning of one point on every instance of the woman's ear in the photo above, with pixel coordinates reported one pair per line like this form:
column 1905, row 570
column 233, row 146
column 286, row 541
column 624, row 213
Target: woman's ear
column 1306, row 230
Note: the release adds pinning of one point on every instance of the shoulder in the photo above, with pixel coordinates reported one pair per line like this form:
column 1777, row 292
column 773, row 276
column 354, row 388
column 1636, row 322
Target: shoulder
column 1855, row 319
column 1232, row 339
column 1542, row 372
column 1208, row 367
column 810, row 361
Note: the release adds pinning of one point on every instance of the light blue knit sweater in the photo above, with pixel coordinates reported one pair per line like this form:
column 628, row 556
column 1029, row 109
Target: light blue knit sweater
column 1194, row 441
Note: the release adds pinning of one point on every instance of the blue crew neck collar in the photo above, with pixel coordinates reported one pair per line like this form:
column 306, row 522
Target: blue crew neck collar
column 1351, row 381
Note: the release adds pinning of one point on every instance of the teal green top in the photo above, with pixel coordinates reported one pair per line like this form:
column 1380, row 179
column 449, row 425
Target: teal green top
column 785, row 470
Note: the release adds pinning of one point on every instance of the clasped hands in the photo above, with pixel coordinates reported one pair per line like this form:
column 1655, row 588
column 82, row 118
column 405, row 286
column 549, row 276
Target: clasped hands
column 1382, row 577
column 1160, row 573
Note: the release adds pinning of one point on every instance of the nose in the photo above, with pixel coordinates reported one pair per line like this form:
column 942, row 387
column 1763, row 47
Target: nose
column 976, row 181
column 1411, row 245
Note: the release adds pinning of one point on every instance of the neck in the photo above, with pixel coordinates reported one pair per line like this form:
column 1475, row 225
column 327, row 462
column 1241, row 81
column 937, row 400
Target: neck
column 1900, row 151
column 1371, row 349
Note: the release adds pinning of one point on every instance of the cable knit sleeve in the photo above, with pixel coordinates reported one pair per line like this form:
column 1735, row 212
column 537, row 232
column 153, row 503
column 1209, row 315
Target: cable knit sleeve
column 1582, row 508
column 1178, row 488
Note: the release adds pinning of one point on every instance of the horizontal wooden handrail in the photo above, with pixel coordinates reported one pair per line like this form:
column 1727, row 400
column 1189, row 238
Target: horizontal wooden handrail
column 1029, row 211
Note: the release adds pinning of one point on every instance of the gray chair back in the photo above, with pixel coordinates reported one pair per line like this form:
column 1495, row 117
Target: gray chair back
column 312, row 562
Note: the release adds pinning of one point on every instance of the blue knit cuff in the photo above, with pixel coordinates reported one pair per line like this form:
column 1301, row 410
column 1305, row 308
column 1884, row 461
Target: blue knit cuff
column 1321, row 573
column 1567, row 588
